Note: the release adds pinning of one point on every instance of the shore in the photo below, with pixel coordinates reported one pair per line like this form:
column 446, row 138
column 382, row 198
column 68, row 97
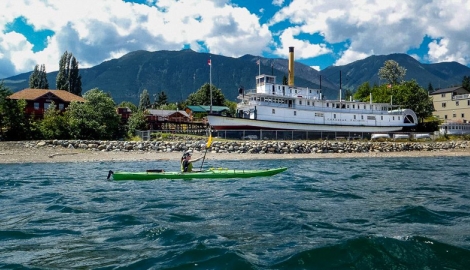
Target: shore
column 16, row 152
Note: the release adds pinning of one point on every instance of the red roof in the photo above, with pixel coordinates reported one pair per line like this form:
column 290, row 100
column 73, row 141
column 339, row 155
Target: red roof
column 33, row 94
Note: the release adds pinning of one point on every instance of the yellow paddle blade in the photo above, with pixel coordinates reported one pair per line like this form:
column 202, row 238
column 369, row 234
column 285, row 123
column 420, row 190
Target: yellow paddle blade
column 209, row 141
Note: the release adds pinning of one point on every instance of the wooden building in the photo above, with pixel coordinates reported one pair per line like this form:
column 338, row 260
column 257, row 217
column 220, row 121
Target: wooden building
column 38, row 100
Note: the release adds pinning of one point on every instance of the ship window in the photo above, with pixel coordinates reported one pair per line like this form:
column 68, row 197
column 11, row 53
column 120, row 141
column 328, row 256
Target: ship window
column 393, row 118
column 274, row 111
column 295, row 112
column 354, row 117
column 327, row 104
column 456, row 103
column 334, row 115
column 381, row 118
column 300, row 102
column 354, row 106
column 443, row 104
column 364, row 107
column 362, row 117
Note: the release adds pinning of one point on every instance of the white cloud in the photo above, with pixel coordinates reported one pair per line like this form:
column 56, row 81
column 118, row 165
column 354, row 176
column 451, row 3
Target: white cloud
column 384, row 27
column 278, row 3
column 95, row 31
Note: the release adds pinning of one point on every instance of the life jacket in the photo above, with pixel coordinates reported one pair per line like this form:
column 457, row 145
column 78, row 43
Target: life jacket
column 188, row 165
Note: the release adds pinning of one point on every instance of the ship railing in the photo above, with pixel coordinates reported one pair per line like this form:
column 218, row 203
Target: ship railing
column 279, row 135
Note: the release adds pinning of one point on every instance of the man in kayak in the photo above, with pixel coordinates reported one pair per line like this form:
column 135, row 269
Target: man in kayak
column 187, row 163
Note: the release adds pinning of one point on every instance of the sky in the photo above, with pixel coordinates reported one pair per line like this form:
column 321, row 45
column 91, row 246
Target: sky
column 323, row 32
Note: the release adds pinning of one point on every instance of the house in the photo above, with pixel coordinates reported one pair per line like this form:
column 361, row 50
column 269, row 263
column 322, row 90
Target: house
column 38, row 100
column 219, row 110
column 452, row 104
column 168, row 115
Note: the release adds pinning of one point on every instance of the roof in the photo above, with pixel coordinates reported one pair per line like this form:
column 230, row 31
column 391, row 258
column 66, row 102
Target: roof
column 449, row 90
column 166, row 112
column 33, row 94
column 199, row 109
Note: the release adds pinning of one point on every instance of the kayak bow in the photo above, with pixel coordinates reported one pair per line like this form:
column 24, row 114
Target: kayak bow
column 207, row 174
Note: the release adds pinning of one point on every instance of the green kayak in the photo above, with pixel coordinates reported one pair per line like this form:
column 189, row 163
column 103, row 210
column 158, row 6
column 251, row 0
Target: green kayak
column 210, row 173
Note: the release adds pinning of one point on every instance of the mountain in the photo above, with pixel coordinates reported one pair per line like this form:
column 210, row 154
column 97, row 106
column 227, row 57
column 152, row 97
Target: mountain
column 180, row 73
column 440, row 75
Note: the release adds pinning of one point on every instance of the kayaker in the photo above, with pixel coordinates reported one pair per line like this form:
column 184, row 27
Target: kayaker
column 187, row 163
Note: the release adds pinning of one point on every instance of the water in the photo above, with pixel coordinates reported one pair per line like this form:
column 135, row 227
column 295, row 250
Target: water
column 382, row 213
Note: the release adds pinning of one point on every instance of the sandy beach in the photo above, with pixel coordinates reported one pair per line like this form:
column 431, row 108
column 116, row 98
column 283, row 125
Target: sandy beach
column 15, row 152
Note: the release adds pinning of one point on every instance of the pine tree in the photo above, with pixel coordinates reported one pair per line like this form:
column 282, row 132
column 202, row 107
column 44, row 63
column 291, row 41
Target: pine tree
column 75, row 79
column 68, row 77
column 34, row 78
column 144, row 100
column 38, row 78
column 466, row 82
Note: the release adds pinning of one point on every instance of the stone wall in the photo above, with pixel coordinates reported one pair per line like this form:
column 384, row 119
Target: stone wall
column 253, row 147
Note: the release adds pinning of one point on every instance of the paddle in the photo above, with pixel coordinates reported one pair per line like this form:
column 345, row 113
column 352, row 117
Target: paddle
column 208, row 145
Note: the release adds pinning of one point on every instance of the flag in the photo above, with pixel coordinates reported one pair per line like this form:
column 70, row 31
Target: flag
column 209, row 141
column 257, row 62
column 209, row 62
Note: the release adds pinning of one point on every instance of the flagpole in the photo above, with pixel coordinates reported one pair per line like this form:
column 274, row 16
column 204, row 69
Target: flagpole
column 259, row 67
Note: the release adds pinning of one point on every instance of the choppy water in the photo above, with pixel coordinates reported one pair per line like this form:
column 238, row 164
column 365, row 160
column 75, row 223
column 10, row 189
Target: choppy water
column 384, row 213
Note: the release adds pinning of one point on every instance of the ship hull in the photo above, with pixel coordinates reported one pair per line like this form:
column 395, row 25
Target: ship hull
column 230, row 123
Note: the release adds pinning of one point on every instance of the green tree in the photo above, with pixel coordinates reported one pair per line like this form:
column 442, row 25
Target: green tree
column 144, row 102
column 95, row 119
column 412, row 96
column 161, row 100
column 284, row 80
column 68, row 77
column 392, row 72
column 430, row 88
column 38, row 78
column 54, row 124
column 128, row 104
column 363, row 92
column 466, row 82
column 4, row 93
column 137, row 121
column 202, row 96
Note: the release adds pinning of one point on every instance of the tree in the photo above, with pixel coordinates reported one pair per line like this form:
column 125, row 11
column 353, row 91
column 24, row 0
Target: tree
column 38, row 78
column 161, row 100
column 392, row 72
column 128, row 104
column 430, row 88
column 144, row 102
column 54, row 124
column 68, row 77
column 363, row 92
column 412, row 96
column 466, row 82
column 136, row 121
column 202, row 96
column 95, row 119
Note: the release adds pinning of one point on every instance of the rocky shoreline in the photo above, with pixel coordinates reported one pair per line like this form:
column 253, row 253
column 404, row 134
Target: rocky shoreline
column 59, row 151
column 251, row 147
